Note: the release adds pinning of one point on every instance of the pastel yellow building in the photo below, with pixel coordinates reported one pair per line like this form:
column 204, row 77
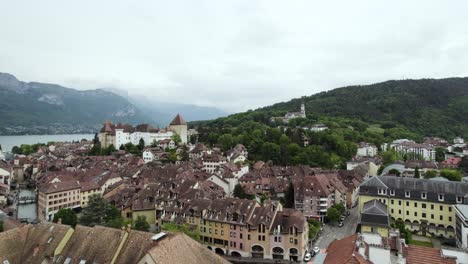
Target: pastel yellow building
column 374, row 218
column 425, row 206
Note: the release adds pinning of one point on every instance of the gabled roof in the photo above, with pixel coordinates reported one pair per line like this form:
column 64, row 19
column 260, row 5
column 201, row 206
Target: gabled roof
column 344, row 251
column 177, row 121
column 179, row 248
column 374, row 213
column 374, row 207
column 375, row 182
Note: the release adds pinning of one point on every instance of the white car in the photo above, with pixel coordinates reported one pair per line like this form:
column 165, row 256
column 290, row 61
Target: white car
column 307, row 257
column 316, row 250
column 340, row 224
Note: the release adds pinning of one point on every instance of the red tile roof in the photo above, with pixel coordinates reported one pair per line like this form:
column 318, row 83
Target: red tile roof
column 178, row 120
column 426, row 255
column 344, row 251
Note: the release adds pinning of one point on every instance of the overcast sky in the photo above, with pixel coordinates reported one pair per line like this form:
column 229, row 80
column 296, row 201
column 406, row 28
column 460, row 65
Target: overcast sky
column 235, row 55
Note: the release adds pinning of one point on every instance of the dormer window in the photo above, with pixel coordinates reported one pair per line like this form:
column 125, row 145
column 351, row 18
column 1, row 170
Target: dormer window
column 382, row 191
column 441, row 197
column 392, row 192
column 424, row 195
column 459, row 199
column 407, row 194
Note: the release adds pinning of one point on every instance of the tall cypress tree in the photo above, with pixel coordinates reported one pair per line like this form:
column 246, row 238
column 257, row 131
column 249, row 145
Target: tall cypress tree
column 416, row 173
column 289, row 196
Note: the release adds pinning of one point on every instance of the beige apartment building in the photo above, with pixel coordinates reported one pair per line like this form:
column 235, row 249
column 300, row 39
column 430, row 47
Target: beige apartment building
column 57, row 195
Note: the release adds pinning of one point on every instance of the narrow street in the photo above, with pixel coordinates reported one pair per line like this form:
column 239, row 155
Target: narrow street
column 332, row 232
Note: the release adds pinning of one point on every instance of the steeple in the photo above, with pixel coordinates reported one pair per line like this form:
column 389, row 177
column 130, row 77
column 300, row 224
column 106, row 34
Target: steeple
column 303, row 113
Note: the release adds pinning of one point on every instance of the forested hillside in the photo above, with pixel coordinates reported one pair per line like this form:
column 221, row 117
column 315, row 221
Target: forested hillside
column 373, row 113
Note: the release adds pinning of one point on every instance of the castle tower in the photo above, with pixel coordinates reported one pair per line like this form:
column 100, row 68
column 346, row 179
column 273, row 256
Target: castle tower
column 303, row 113
column 179, row 126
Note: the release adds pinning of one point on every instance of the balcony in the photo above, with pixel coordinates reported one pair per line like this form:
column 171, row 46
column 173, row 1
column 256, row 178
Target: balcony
column 325, row 199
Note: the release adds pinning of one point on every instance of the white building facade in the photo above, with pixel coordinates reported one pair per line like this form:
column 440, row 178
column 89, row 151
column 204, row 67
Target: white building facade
column 461, row 225
column 366, row 150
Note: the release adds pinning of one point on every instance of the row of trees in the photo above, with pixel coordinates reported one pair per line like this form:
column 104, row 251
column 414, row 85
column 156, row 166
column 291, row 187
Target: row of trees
column 26, row 149
column 98, row 212
column 283, row 146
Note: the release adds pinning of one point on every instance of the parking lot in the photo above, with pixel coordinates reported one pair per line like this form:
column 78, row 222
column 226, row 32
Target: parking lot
column 332, row 232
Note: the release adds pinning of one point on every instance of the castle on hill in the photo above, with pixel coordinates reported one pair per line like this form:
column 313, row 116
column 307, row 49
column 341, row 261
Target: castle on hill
column 290, row 115
column 121, row 134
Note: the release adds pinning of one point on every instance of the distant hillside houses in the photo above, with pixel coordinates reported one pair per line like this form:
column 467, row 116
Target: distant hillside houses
column 411, row 149
column 366, row 150
column 122, row 134
column 290, row 115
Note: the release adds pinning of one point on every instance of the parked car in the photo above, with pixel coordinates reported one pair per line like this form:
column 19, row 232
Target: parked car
column 340, row 224
column 307, row 257
column 342, row 218
column 316, row 250
column 348, row 213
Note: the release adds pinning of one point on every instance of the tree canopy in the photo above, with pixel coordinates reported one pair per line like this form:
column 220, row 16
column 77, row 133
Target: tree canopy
column 239, row 192
column 100, row 212
column 289, row 196
column 451, row 175
column 333, row 215
column 67, row 217
column 141, row 223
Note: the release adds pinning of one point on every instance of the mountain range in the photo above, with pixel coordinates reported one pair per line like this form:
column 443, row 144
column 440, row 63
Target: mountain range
column 42, row 108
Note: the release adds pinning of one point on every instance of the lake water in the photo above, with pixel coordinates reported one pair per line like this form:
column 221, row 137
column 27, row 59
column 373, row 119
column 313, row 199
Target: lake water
column 9, row 142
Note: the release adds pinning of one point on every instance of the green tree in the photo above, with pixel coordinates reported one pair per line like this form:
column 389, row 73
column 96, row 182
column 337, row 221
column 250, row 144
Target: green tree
column 141, row 223
column 333, row 215
column 96, row 139
column 403, row 231
column 340, row 207
column 96, row 149
column 129, row 147
column 184, row 154
column 239, row 192
column 109, row 150
column 388, row 157
column 226, row 142
column 430, row 174
column 271, row 151
column 452, row 175
column 416, row 173
column 1, row 225
column 141, row 144
column 440, row 154
column 67, row 217
column 289, row 196
column 16, row 150
column 122, row 147
column 394, row 172
column 100, row 212
column 176, row 138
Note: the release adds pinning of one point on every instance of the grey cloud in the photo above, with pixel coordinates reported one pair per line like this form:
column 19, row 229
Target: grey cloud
column 236, row 55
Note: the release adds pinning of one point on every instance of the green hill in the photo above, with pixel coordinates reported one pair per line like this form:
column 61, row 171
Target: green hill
column 426, row 107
